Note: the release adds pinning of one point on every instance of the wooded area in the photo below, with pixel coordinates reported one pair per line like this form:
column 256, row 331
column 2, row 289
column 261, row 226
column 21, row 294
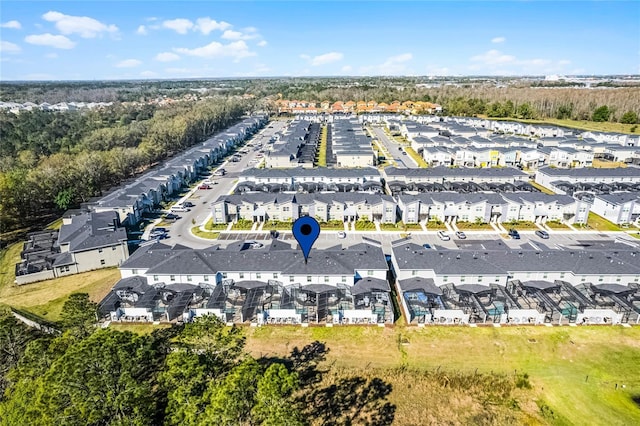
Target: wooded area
column 192, row 374
column 50, row 161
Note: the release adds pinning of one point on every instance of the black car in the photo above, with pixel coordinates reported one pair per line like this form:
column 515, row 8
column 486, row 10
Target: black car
column 514, row 234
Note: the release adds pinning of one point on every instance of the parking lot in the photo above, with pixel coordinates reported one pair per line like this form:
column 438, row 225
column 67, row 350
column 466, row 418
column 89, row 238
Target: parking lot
column 474, row 241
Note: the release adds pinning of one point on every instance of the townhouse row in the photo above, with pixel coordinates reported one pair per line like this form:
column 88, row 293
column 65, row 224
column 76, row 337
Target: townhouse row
column 417, row 208
column 274, row 285
column 517, row 286
column 240, row 285
column 147, row 191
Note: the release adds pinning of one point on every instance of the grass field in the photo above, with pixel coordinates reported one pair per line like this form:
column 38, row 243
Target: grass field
column 541, row 188
column 573, row 371
column 416, row 157
column 209, row 235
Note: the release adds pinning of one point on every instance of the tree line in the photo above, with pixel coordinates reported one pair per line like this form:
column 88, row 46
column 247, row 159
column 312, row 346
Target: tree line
column 52, row 161
column 193, row 374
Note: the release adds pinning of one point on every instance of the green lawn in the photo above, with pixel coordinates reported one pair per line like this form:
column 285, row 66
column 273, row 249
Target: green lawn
column 556, row 225
column 210, row 226
column 365, row 225
column 598, row 223
column 322, row 149
column 557, row 360
column 332, row 225
column 520, row 225
column 242, row 225
column 471, row 226
column 416, row 157
column 209, row 235
column 541, row 188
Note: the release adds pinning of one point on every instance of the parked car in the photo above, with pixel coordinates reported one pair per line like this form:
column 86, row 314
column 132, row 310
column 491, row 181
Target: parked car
column 514, row 234
column 219, row 172
column 542, row 234
column 342, row 234
column 179, row 208
column 404, row 152
column 427, row 246
column 171, row 216
column 255, row 245
column 274, row 233
column 204, row 186
column 461, row 235
column 443, row 236
column 186, row 204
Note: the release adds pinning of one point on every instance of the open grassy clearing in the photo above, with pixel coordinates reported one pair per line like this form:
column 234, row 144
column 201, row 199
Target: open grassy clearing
column 557, row 359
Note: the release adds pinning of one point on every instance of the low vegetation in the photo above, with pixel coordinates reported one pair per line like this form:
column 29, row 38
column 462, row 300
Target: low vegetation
column 416, row 157
column 321, row 157
column 242, row 225
column 463, row 226
column 364, row 225
column 554, row 224
column 332, row 225
column 209, row 235
column 210, row 226
column 520, row 224
column 511, row 375
column 598, row 223
column 541, row 188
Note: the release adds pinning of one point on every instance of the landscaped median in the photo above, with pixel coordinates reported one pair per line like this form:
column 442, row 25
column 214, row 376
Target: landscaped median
column 416, row 157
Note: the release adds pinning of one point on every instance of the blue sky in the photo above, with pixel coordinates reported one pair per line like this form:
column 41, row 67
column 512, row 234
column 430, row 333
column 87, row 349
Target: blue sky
column 49, row 40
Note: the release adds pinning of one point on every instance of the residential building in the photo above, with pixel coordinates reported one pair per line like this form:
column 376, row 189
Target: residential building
column 618, row 207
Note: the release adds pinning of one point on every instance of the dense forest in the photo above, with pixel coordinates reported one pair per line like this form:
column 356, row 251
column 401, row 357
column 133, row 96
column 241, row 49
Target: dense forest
column 51, row 161
column 192, row 374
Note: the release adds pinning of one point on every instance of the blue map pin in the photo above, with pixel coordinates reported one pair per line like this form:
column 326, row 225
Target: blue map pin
column 306, row 230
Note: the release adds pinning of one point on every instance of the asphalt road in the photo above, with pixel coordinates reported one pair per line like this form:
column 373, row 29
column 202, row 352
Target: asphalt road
column 179, row 231
column 402, row 161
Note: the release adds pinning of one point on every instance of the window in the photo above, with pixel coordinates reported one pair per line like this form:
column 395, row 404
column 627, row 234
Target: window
column 344, row 278
column 326, row 279
column 291, row 279
column 308, row 278
column 370, row 272
column 601, row 278
column 188, row 277
column 102, row 262
column 241, row 275
column 545, row 276
column 113, row 248
column 275, row 275
column 172, row 277
column 100, row 250
column 462, row 279
column 258, row 275
column 414, row 273
column 479, row 279
column 155, row 278
column 224, row 275
column 618, row 279
column 561, row 274
column 134, row 271
column 206, row 277
column 583, row 279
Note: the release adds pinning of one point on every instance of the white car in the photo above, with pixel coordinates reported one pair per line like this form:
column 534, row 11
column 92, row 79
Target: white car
column 443, row 236
column 342, row 234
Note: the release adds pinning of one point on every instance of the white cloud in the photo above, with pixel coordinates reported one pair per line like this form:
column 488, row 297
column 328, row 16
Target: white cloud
column 237, row 50
column 262, row 43
column 7, row 47
column 57, row 41
column 346, row 68
column 326, row 58
column 181, row 26
column 493, row 57
column 128, row 63
column 166, row 57
column 52, row 55
column 206, row 25
column 238, row 35
column 498, row 40
column 142, row 30
column 15, row 25
column 564, row 62
column 394, row 65
column 148, row 74
column 305, row 56
column 83, row 25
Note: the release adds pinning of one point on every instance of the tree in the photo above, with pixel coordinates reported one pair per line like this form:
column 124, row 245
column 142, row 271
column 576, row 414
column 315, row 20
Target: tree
column 273, row 398
column 14, row 337
column 525, row 111
column 629, row 117
column 79, row 314
column 601, row 114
